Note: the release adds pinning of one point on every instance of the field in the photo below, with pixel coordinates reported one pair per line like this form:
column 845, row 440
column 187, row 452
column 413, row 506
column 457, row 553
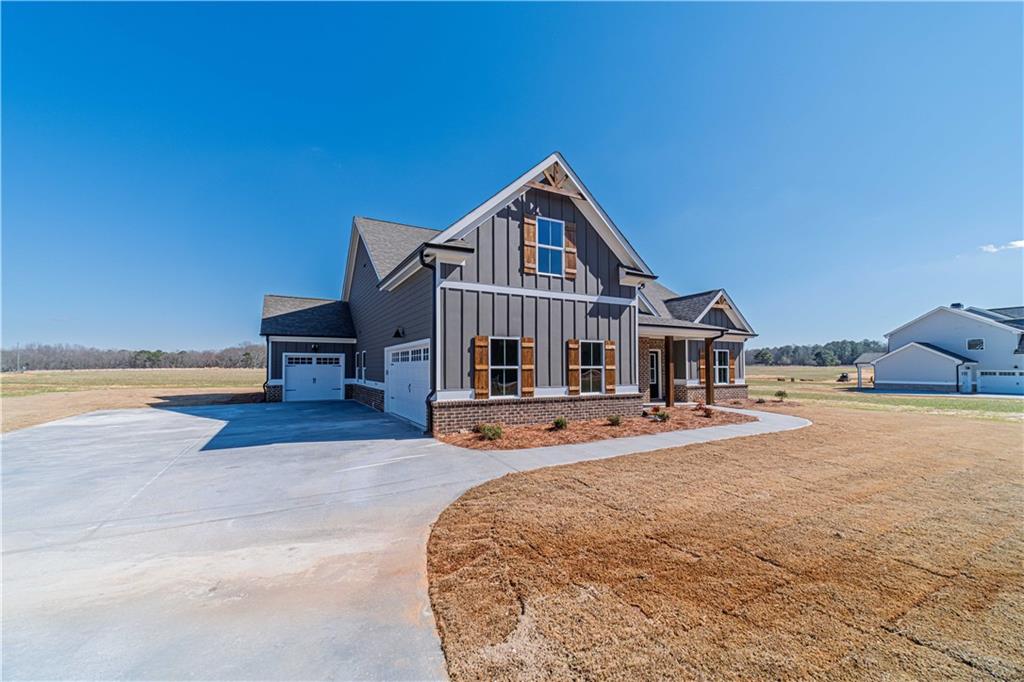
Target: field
column 30, row 398
column 870, row 545
column 819, row 385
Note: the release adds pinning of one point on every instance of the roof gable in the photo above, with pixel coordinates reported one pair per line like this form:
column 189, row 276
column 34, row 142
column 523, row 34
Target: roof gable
column 931, row 347
column 299, row 316
column 956, row 311
column 387, row 245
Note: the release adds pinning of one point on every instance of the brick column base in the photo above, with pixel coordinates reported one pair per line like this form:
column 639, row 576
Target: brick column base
column 371, row 397
column 448, row 416
column 275, row 394
column 695, row 394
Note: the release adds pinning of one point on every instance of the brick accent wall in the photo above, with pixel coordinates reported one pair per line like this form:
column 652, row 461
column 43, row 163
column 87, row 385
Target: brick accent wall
column 275, row 394
column 644, row 375
column 372, row 397
column 454, row 415
column 693, row 394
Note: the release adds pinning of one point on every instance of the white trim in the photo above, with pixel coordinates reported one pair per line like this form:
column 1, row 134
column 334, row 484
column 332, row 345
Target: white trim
column 518, row 367
column 369, row 383
column 284, row 371
column 388, row 350
column 559, row 249
column 642, row 297
column 550, row 391
column 438, row 381
column 676, row 332
column 626, row 388
column 601, row 367
column 536, row 293
column 591, row 210
column 958, row 311
column 392, row 281
column 539, row 392
column 403, row 346
column 714, row 354
column 310, row 339
column 350, row 265
column 453, row 394
column 930, row 350
column 660, row 373
column 732, row 309
column 275, row 382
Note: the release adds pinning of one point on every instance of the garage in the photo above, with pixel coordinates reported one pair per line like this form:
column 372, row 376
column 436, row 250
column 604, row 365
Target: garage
column 1001, row 381
column 313, row 376
column 407, row 380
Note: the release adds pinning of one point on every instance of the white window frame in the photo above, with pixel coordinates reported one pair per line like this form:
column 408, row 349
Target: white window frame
column 967, row 345
column 600, row 356
column 716, row 351
column 559, row 249
column 518, row 367
column 363, row 376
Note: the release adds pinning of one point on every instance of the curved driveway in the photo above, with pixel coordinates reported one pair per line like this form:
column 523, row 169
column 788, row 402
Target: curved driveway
column 281, row 541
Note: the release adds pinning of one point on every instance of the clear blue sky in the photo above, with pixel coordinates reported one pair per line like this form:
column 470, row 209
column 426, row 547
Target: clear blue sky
column 836, row 167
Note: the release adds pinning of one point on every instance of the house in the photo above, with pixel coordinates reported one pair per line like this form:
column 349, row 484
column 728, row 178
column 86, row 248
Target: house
column 953, row 348
column 865, row 360
column 531, row 306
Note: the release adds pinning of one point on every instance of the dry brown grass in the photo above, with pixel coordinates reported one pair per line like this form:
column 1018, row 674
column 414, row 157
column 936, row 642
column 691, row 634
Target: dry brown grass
column 867, row 546
column 586, row 431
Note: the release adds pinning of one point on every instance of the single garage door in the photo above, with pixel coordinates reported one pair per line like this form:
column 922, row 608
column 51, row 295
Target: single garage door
column 1003, row 381
column 313, row 376
column 408, row 381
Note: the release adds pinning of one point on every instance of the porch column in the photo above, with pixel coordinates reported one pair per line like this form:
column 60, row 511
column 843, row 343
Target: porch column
column 860, row 382
column 709, row 372
column 670, row 374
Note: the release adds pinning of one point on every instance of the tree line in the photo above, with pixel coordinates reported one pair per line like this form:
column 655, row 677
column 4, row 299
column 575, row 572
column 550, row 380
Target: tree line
column 831, row 353
column 65, row 356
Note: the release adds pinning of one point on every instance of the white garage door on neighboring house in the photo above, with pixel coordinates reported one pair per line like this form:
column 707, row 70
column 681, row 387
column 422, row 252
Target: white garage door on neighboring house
column 313, row 376
column 408, row 380
column 1002, row 381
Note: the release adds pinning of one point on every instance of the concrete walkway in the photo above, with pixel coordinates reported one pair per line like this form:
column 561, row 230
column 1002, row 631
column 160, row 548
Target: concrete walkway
column 278, row 541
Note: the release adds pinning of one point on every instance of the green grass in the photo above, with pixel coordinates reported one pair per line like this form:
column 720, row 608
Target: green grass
column 32, row 383
column 818, row 384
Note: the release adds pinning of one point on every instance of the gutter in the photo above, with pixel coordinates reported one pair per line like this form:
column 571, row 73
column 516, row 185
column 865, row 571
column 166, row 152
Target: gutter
column 432, row 266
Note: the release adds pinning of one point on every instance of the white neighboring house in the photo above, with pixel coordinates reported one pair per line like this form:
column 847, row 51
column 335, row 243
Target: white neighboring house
column 956, row 349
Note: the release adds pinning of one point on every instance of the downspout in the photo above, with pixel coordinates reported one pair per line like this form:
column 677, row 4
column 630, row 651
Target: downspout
column 958, row 366
column 709, row 367
column 267, row 339
column 433, row 340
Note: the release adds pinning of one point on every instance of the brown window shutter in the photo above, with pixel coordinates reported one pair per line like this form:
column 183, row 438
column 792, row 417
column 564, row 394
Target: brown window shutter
column 732, row 368
column 609, row 367
column 572, row 357
column 481, row 366
column 570, row 251
column 703, row 366
column 530, row 245
column 526, row 367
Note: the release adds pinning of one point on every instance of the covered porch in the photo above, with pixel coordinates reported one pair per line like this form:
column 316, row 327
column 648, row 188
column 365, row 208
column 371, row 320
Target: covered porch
column 690, row 362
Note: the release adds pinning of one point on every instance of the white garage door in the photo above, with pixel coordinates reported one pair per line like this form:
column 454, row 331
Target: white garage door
column 313, row 376
column 1008, row 381
column 408, row 381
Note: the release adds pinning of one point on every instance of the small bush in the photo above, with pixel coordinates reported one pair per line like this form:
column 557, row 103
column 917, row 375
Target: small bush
column 708, row 412
column 644, row 413
column 760, row 401
column 792, row 378
column 699, row 406
column 663, row 416
column 781, row 395
column 560, row 423
column 490, row 431
column 655, row 409
column 615, row 420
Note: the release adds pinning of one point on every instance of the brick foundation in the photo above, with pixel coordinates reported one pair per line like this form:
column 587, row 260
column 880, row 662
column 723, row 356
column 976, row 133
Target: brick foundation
column 275, row 393
column 371, row 397
column 694, row 394
column 455, row 415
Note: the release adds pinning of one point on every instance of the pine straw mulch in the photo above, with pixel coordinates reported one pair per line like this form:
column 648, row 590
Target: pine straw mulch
column 541, row 435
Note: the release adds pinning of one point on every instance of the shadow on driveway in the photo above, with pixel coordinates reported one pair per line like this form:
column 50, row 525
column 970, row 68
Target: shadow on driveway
column 248, row 425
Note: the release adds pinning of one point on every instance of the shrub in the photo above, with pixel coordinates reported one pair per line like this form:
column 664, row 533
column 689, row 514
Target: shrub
column 708, row 412
column 781, row 395
column 655, row 409
column 560, row 423
column 760, row 401
column 699, row 406
column 490, row 431
column 792, row 379
column 663, row 416
column 615, row 420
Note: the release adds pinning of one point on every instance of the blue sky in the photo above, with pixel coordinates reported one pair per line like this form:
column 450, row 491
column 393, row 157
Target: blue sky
column 836, row 167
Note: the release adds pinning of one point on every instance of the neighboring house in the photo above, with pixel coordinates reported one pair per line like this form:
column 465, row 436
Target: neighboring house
column 953, row 348
column 865, row 360
column 531, row 306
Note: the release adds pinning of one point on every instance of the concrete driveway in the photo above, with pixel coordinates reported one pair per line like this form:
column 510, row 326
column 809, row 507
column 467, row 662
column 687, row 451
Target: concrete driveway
column 281, row 541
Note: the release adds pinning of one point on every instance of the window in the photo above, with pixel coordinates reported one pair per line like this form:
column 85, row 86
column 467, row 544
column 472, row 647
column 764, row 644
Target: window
column 591, row 367
column 361, row 362
column 550, row 234
column 328, row 361
column 300, row 360
column 975, row 344
column 721, row 366
column 504, row 367
column 417, row 355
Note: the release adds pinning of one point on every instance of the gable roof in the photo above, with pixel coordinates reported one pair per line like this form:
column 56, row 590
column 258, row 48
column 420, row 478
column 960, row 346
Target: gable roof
column 949, row 355
column 692, row 306
column 1015, row 312
column 590, row 209
column 867, row 358
column 299, row 316
column 958, row 311
column 387, row 244
column 656, row 294
column 667, row 304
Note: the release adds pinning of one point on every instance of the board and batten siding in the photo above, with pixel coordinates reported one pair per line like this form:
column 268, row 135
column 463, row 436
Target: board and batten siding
column 735, row 349
column 718, row 318
column 550, row 322
column 279, row 348
column 378, row 314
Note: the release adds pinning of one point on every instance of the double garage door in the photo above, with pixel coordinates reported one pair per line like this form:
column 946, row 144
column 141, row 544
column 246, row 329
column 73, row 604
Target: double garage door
column 1003, row 381
column 408, row 381
column 314, row 376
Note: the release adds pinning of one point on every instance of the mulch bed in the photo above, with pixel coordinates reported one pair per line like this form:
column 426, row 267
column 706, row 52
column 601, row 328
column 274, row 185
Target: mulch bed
column 540, row 435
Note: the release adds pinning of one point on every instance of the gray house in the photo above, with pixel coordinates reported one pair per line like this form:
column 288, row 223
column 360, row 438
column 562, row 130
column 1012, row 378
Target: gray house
column 531, row 306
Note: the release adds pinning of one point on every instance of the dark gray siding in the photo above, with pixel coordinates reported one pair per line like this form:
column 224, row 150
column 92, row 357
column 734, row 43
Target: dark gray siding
column 735, row 349
column 377, row 314
column 550, row 322
column 278, row 348
column 719, row 318
column 499, row 251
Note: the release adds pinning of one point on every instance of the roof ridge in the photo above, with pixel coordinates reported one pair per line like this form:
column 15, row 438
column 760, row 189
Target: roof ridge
column 392, row 222
column 302, row 298
column 699, row 293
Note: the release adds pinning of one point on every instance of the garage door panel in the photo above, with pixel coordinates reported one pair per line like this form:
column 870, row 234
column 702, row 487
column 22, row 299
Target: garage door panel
column 408, row 382
column 1001, row 381
column 313, row 377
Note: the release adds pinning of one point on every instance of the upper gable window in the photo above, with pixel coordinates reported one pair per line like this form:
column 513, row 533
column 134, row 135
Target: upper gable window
column 550, row 246
column 975, row 344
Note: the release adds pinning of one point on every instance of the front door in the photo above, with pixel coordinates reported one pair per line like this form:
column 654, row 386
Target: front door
column 655, row 372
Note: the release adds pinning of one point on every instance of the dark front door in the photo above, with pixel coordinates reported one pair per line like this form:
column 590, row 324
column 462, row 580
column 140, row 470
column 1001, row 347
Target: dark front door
column 655, row 374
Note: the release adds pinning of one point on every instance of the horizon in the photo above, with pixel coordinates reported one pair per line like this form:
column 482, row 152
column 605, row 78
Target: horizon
column 863, row 163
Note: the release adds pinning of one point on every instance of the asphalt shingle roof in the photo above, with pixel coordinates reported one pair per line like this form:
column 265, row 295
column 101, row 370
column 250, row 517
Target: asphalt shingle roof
column 690, row 307
column 865, row 358
column 298, row 316
column 388, row 243
column 950, row 353
column 1013, row 311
